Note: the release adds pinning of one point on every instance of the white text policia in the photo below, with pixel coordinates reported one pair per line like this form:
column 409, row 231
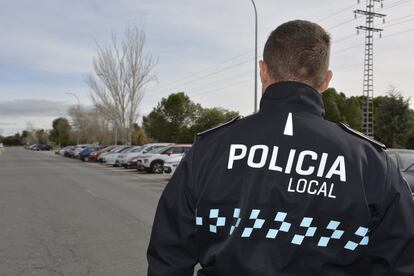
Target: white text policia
column 319, row 169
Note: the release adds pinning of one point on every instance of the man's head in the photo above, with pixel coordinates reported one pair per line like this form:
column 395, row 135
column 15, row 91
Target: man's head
column 297, row 51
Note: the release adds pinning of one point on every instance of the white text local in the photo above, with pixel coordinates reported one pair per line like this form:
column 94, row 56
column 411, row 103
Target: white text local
column 318, row 167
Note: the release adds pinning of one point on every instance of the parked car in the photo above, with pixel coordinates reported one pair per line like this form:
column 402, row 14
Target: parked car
column 112, row 159
column 31, row 147
column 118, row 149
column 41, row 147
column 70, row 152
column 102, row 156
column 153, row 162
column 62, row 151
column 128, row 160
column 123, row 155
column 86, row 153
column 1, row 145
column 79, row 148
column 27, row 146
column 95, row 155
column 404, row 159
column 171, row 163
column 132, row 163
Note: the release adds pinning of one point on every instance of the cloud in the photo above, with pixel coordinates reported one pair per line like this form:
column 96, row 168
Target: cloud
column 32, row 108
column 48, row 54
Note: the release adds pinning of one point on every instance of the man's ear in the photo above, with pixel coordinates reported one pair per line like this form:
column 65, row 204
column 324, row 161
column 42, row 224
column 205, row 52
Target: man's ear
column 264, row 74
column 327, row 79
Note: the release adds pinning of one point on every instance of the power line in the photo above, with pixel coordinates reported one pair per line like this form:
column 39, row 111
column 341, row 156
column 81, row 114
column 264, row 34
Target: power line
column 343, row 38
column 340, row 24
column 396, row 4
column 336, row 13
column 238, row 56
column 400, row 18
column 210, row 67
column 348, row 48
column 220, row 88
column 399, row 23
column 384, row 37
column 236, row 82
column 400, row 33
column 214, row 72
column 193, row 79
column 220, row 81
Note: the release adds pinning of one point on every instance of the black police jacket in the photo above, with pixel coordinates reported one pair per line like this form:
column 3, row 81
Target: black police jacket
column 284, row 192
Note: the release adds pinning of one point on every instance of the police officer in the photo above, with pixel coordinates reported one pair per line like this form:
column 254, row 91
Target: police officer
column 283, row 191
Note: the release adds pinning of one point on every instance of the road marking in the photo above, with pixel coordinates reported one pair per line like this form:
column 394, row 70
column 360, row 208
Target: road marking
column 91, row 193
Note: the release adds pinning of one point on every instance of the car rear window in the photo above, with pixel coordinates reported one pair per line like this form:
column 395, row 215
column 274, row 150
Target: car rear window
column 407, row 159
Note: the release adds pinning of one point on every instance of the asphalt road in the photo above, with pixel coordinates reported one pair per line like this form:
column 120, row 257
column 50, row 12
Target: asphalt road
column 64, row 217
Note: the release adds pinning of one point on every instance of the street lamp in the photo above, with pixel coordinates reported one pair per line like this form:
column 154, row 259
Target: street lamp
column 78, row 108
column 255, row 58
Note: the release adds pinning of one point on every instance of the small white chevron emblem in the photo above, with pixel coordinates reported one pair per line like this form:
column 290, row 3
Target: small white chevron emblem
column 289, row 126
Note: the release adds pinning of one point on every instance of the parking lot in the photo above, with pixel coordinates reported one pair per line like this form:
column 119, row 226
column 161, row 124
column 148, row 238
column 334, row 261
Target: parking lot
column 65, row 217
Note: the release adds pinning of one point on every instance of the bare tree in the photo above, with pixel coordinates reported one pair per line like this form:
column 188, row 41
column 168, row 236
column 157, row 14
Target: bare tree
column 122, row 70
column 91, row 125
column 31, row 137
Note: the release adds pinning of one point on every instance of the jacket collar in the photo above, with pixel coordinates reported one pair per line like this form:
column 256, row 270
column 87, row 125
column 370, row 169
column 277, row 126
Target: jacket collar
column 293, row 97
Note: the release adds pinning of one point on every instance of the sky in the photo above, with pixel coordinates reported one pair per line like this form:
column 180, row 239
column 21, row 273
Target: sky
column 204, row 48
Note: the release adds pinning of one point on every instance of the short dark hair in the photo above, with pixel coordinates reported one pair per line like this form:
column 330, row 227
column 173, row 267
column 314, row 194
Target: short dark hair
column 298, row 51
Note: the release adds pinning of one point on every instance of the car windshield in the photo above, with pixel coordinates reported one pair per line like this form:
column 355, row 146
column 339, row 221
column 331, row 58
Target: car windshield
column 108, row 148
column 118, row 149
column 126, row 149
column 158, row 150
column 136, row 149
column 407, row 159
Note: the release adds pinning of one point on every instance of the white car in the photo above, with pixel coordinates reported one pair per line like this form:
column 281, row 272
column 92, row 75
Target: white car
column 117, row 149
column 1, row 145
column 154, row 161
column 112, row 158
column 171, row 163
column 126, row 159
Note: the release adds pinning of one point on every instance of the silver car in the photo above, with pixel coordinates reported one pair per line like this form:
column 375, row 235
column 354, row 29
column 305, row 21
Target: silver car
column 404, row 159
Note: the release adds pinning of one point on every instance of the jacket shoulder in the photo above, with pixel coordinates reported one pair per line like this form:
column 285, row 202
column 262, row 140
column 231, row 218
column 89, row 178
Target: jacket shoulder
column 374, row 142
column 219, row 126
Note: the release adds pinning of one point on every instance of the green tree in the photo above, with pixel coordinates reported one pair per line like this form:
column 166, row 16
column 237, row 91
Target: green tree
column 409, row 138
column 331, row 102
column 60, row 133
column 210, row 117
column 13, row 140
column 352, row 113
column 392, row 119
column 178, row 119
column 172, row 119
column 339, row 108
